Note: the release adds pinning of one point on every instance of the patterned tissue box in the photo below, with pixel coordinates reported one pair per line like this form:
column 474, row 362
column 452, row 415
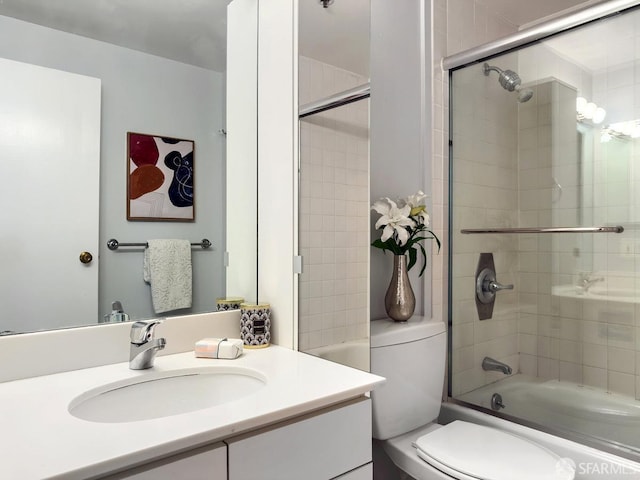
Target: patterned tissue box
column 229, row 303
column 255, row 325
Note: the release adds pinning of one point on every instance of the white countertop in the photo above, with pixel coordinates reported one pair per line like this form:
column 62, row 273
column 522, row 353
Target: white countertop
column 40, row 439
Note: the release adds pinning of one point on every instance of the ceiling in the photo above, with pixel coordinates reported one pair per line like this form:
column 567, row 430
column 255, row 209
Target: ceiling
column 337, row 35
column 194, row 31
column 189, row 31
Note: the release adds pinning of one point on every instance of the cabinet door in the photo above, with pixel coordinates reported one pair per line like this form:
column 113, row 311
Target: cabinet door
column 320, row 446
column 206, row 463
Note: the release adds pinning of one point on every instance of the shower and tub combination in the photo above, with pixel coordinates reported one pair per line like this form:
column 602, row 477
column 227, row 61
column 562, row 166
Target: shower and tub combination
column 554, row 196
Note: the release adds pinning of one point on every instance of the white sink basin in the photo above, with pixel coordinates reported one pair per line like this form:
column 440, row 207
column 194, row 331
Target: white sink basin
column 162, row 394
column 614, row 292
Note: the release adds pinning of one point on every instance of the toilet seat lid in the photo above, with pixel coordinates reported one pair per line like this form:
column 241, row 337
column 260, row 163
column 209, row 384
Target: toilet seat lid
column 470, row 451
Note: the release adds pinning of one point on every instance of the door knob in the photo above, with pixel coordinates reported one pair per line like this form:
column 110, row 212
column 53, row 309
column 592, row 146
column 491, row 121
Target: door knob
column 85, row 257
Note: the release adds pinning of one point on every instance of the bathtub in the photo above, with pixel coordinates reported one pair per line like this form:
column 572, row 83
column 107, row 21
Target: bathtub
column 567, row 406
column 353, row 354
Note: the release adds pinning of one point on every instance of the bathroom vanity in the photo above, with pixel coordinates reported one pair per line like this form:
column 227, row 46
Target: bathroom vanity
column 307, row 418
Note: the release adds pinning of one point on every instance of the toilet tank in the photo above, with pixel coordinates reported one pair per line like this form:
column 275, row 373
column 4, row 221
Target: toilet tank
column 411, row 356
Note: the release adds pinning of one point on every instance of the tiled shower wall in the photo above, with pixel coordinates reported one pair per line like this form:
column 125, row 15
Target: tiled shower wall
column 593, row 342
column 485, row 193
column 334, row 211
column 457, row 25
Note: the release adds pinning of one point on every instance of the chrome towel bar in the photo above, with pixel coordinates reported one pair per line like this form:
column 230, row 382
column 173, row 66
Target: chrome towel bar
column 113, row 244
column 616, row 229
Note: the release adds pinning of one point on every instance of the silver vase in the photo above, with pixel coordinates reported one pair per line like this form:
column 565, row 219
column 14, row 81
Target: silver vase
column 400, row 302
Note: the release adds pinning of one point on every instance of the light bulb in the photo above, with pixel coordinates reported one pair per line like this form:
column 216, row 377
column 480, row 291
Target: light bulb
column 598, row 115
column 581, row 103
column 590, row 110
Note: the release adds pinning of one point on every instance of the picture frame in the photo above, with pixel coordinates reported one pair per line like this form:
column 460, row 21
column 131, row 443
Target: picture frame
column 160, row 178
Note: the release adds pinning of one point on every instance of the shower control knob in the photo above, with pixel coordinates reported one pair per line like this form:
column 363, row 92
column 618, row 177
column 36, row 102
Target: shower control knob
column 487, row 286
column 495, row 286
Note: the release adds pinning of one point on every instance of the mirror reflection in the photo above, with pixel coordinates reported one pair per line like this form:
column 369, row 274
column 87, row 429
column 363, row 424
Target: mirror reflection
column 83, row 75
column 334, row 184
column 565, row 157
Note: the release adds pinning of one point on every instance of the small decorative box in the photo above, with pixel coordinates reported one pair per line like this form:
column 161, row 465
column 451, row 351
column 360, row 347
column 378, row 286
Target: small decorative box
column 229, row 303
column 255, row 325
column 219, row 348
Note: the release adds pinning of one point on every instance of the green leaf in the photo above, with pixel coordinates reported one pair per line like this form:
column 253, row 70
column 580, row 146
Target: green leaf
column 436, row 239
column 424, row 255
column 388, row 245
column 413, row 253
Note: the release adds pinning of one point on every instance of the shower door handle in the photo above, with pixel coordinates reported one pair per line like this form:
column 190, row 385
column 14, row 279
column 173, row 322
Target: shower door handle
column 495, row 287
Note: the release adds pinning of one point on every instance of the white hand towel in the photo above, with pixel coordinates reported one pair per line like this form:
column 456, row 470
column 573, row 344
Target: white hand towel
column 167, row 268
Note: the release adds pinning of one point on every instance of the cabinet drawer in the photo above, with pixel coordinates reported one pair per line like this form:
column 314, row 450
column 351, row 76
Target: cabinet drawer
column 206, row 463
column 365, row 472
column 320, row 446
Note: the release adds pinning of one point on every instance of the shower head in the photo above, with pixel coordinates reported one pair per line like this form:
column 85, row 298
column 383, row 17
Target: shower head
column 524, row 94
column 510, row 81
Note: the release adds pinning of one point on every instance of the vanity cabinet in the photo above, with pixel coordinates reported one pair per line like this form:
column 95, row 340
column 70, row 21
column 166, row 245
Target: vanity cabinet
column 332, row 443
column 326, row 444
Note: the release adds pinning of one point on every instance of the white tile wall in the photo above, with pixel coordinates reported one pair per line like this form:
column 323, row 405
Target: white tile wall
column 334, row 211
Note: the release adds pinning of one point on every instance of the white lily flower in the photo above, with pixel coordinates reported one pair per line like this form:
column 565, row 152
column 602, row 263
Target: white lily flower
column 418, row 208
column 394, row 219
column 403, row 224
column 416, row 199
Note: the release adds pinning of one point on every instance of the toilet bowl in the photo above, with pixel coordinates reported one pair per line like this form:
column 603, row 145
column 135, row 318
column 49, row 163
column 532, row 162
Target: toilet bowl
column 411, row 355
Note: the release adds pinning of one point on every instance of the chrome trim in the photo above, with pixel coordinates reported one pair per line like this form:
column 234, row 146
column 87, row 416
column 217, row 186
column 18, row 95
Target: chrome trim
column 616, row 229
column 537, row 32
column 334, row 101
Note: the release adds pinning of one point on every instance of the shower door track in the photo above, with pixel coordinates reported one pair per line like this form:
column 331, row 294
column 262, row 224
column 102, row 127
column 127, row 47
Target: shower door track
column 339, row 99
column 537, row 32
column 616, row 229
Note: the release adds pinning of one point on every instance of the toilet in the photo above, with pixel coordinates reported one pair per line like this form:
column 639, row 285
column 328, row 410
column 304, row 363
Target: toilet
column 411, row 356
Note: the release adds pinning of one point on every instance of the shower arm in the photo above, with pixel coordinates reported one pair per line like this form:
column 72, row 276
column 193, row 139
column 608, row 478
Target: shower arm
column 488, row 68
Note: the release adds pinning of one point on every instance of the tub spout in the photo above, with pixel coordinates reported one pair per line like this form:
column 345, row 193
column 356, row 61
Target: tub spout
column 490, row 364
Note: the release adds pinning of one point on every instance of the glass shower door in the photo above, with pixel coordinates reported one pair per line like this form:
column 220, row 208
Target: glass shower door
column 544, row 176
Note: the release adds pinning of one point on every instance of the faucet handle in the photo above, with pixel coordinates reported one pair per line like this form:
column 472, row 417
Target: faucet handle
column 142, row 331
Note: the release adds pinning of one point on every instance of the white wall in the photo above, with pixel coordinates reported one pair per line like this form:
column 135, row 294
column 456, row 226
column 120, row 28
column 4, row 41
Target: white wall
column 277, row 166
column 147, row 94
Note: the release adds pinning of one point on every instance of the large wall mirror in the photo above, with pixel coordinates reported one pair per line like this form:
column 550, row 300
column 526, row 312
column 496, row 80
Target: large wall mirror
column 83, row 75
column 334, row 182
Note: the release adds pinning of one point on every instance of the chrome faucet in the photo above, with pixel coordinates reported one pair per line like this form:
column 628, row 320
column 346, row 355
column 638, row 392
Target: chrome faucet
column 144, row 347
column 586, row 280
column 490, row 364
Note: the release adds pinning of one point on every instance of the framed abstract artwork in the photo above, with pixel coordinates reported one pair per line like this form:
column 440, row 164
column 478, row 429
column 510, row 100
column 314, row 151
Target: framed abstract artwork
column 160, row 178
